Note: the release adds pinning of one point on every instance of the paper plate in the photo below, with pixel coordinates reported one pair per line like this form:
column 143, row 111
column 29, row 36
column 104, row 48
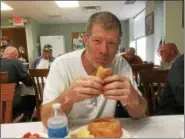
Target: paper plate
column 125, row 132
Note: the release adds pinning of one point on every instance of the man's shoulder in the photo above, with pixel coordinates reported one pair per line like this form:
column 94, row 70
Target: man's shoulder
column 180, row 58
column 120, row 61
column 38, row 58
column 137, row 57
column 11, row 60
column 69, row 57
column 179, row 62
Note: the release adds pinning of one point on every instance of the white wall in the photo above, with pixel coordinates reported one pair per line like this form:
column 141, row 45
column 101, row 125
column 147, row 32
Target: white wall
column 174, row 31
column 125, row 36
column 149, row 39
column 29, row 36
column 131, row 30
column 167, row 24
column 158, row 28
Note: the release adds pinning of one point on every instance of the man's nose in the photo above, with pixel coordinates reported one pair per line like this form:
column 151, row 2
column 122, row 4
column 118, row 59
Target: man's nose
column 104, row 48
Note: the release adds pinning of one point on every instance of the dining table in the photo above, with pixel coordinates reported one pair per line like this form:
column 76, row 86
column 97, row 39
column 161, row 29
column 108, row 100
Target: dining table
column 164, row 126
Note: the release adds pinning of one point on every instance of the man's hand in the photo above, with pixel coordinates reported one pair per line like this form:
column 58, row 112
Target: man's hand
column 84, row 88
column 120, row 88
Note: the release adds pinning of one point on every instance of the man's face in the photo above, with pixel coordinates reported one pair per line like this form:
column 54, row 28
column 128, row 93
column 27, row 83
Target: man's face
column 165, row 54
column 129, row 54
column 102, row 45
column 47, row 54
column 4, row 43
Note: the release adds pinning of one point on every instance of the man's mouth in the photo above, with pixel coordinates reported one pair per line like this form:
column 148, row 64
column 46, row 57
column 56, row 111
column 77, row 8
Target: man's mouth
column 102, row 60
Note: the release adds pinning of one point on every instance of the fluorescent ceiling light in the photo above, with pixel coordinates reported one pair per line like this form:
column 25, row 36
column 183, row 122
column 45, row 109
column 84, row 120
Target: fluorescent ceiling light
column 67, row 4
column 5, row 7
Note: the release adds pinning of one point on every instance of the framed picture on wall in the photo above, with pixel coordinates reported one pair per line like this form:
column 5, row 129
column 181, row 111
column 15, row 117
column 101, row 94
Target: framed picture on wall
column 149, row 24
column 77, row 40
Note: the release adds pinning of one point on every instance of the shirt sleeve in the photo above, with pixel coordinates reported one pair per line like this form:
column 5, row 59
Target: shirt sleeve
column 176, row 80
column 22, row 73
column 56, row 82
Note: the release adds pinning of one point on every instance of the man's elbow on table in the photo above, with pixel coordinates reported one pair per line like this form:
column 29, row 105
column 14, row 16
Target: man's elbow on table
column 139, row 110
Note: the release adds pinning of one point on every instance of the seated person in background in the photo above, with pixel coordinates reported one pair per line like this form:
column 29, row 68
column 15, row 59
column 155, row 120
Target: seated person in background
column 5, row 43
column 169, row 54
column 17, row 72
column 84, row 96
column 172, row 99
column 44, row 61
column 131, row 57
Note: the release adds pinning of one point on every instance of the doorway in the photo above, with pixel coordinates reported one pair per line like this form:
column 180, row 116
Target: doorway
column 17, row 37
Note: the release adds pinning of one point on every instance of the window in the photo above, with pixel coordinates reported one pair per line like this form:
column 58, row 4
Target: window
column 141, row 48
column 133, row 44
column 139, row 25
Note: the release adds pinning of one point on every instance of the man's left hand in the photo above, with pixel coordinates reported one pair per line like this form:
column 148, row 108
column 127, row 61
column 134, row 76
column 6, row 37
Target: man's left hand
column 120, row 88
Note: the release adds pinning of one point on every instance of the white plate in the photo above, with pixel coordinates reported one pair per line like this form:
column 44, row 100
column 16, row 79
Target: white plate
column 125, row 132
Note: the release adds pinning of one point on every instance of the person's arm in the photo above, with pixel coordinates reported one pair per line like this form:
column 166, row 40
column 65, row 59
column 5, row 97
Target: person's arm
column 58, row 90
column 138, row 109
column 22, row 73
column 139, row 60
column 120, row 88
column 176, row 79
column 54, row 87
column 46, row 109
column 35, row 63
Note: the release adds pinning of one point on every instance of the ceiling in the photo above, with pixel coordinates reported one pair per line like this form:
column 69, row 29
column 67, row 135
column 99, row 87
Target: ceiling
column 47, row 12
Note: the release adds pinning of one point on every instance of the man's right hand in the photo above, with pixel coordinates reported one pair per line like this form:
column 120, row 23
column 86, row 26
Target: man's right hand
column 84, row 88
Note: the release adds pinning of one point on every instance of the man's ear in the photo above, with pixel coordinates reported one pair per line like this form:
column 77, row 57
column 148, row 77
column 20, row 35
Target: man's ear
column 85, row 38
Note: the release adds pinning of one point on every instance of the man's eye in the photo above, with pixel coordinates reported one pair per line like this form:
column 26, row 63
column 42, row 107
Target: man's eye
column 97, row 41
column 112, row 43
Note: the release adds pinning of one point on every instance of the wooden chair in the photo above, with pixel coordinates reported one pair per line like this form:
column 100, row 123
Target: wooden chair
column 4, row 77
column 38, row 77
column 153, row 82
column 136, row 68
column 7, row 95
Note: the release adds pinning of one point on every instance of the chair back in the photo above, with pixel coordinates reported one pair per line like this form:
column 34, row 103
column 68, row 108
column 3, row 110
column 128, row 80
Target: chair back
column 3, row 77
column 7, row 95
column 136, row 68
column 38, row 77
column 153, row 82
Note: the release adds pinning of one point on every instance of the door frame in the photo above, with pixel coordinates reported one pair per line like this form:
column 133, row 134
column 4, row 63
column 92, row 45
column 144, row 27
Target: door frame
column 28, row 41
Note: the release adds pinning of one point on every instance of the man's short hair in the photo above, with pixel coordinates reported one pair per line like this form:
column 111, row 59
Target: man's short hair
column 47, row 47
column 106, row 19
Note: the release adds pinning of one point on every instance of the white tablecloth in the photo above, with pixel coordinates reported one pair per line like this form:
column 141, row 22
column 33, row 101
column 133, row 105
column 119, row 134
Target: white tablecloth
column 150, row 127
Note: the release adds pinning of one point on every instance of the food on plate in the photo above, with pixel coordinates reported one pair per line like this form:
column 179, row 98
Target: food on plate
column 107, row 127
column 29, row 135
column 82, row 133
column 103, row 72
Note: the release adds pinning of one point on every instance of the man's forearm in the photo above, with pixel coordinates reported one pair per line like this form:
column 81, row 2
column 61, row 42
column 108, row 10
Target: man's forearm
column 138, row 110
column 46, row 109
